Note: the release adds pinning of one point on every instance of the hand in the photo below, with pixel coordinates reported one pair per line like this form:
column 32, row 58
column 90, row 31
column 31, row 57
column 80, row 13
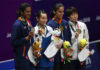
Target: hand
column 40, row 32
column 71, row 49
column 35, row 64
column 76, row 34
column 35, row 52
column 87, row 47
column 58, row 46
column 31, row 34
column 27, row 38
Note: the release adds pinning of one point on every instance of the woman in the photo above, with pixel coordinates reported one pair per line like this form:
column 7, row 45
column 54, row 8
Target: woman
column 57, row 22
column 21, row 38
column 79, row 31
column 43, row 32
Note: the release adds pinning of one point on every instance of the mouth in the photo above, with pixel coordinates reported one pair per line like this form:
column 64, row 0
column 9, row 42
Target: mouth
column 28, row 16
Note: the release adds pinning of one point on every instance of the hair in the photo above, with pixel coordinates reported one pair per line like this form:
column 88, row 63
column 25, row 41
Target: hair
column 38, row 14
column 55, row 8
column 71, row 10
column 22, row 8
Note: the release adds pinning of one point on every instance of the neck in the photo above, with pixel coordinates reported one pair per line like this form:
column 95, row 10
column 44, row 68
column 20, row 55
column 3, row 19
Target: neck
column 74, row 22
column 22, row 17
column 58, row 20
column 41, row 26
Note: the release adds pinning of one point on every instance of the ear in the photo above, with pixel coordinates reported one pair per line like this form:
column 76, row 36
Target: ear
column 37, row 18
column 68, row 17
column 54, row 12
column 22, row 13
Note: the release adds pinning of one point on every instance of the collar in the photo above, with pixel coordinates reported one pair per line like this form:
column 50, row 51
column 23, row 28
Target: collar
column 72, row 23
column 58, row 20
column 39, row 26
column 25, row 20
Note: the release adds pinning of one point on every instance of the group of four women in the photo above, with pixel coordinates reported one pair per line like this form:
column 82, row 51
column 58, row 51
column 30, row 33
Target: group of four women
column 22, row 37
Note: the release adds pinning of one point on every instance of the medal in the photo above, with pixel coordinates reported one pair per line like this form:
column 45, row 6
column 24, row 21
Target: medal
column 61, row 28
column 78, row 30
column 43, row 30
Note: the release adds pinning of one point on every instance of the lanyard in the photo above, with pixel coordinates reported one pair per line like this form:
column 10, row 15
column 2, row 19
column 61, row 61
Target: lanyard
column 29, row 24
column 45, row 27
column 73, row 28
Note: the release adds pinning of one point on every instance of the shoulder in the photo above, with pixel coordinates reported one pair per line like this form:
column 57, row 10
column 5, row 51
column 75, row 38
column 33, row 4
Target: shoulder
column 65, row 22
column 50, row 28
column 17, row 23
column 50, row 21
column 81, row 23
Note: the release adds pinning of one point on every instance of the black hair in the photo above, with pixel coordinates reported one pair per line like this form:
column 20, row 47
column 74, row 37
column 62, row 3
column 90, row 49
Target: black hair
column 38, row 14
column 71, row 10
column 55, row 8
column 22, row 8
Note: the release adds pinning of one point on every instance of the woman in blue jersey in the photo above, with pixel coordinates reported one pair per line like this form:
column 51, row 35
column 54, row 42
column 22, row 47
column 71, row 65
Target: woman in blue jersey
column 43, row 32
column 57, row 21
column 20, row 38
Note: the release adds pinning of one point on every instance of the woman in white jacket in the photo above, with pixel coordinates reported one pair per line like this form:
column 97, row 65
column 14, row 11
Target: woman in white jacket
column 43, row 33
column 79, row 31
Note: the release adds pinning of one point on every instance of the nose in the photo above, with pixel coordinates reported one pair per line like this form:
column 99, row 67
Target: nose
column 29, row 13
column 62, row 13
column 45, row 20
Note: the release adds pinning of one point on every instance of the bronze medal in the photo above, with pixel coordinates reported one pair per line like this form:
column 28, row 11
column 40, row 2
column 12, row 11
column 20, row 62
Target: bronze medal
column 61, row 28
column 78, row 30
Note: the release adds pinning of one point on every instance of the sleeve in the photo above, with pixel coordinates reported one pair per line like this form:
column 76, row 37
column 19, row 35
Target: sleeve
column 86, row 34
column 50, row 29
column 69, row 33
column 50, row 23
column 16, row 39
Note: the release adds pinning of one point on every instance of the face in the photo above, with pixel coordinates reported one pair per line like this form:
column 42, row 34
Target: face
column 43, row 19
column 59, row 13
column 27, row 12
column 73, row 17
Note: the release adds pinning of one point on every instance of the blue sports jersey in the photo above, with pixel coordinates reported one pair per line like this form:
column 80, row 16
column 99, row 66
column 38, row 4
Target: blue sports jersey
column 20, row 46
column 65, row 35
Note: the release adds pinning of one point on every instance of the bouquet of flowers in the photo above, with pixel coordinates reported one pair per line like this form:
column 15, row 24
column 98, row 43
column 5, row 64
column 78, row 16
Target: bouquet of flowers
column 67, row 51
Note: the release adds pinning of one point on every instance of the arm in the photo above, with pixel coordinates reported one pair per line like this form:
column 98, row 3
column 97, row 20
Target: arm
column 69, row 33
column 50, row 23
column 16, row 39
column 86, row 34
